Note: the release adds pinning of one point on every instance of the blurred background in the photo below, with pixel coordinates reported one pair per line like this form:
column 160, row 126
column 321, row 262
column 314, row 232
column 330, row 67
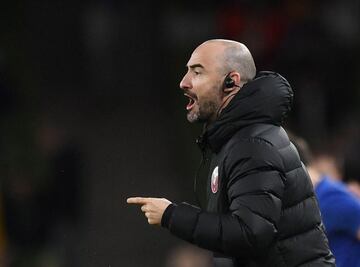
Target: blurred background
column 91, row 113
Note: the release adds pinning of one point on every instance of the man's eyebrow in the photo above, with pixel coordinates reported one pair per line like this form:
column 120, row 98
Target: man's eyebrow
column 195, row 66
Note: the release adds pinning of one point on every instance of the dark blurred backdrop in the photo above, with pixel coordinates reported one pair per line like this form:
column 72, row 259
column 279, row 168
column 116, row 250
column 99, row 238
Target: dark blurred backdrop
column 91, row 112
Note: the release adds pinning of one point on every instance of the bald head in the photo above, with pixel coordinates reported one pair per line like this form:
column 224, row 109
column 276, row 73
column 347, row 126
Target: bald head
column 204, row 81
column 233, row 56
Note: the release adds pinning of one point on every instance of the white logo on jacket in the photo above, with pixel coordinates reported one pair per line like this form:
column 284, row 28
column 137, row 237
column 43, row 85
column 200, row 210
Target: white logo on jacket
column 215, row 180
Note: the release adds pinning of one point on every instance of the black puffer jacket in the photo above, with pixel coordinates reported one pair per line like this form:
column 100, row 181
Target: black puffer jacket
column 260, row 208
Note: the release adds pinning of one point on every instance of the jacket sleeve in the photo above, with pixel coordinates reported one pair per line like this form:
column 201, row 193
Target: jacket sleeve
column 255, row 187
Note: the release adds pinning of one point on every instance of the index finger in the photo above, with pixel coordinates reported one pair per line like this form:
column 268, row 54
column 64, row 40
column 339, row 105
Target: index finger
column 137, row 200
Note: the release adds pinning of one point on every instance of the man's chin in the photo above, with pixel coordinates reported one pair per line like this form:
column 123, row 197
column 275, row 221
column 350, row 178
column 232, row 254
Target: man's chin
column 195, row 118
column 192, row 117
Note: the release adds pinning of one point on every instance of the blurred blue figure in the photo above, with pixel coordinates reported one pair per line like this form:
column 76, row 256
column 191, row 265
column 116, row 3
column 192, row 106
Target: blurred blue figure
column 340, row 210
column 341, row 215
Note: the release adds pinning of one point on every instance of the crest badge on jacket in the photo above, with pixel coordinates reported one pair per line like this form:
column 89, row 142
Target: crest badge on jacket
column 215, row 180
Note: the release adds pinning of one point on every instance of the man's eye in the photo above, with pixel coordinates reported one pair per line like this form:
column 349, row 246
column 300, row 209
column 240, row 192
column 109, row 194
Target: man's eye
column 197, row 72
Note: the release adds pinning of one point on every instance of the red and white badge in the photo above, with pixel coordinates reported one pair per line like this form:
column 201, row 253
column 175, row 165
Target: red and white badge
column 215, row 180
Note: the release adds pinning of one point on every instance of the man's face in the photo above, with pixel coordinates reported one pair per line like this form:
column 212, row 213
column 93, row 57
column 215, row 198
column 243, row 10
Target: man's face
column 202, row 83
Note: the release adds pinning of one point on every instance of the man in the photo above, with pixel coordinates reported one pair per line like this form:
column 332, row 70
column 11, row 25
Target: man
column 260, row 208
column 340, row 209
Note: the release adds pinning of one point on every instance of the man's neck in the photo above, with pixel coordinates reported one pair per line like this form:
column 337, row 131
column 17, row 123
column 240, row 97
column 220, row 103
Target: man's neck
column 226, row 100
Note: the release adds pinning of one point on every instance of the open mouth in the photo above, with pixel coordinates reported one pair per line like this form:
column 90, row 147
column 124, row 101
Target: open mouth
column 191, row 103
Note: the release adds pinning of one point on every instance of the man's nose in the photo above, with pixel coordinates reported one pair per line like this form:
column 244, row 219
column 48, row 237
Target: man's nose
column 185, row 83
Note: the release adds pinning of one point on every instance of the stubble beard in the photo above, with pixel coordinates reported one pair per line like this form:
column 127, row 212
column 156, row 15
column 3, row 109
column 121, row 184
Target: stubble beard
column 204, row 111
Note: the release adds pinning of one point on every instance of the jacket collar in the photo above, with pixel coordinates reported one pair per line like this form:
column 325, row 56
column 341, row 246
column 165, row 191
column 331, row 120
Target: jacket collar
column 266, row 99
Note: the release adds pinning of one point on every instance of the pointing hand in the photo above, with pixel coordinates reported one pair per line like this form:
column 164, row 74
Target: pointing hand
column 152, row 207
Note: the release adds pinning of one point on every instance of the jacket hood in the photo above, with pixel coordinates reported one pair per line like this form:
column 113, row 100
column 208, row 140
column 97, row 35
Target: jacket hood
column 266, row 99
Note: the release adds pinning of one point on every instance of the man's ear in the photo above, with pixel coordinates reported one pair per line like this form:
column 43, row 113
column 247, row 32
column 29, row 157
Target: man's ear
column 232, row 82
